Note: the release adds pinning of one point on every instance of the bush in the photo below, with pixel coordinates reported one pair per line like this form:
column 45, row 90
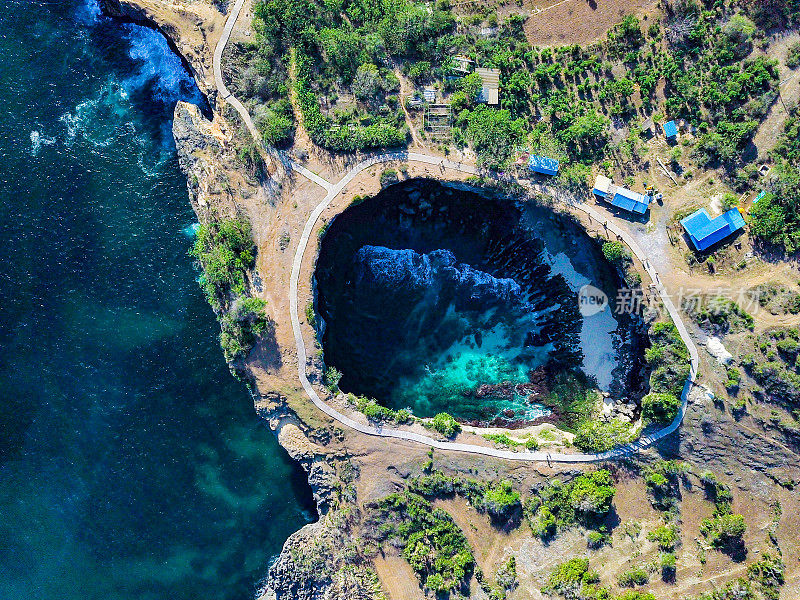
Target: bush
column 501, row 501
column 241, row 326
column 739, row 32
column 616, row 252
column 734, row 378
column 494, row 135
column 668, row 564
column 767, row 573
column 666, row 536
column 633, row 576
column 724, row 531
column 670, row 363
column 660, row 408
column 793, row 56
column 543, row 523
column 568, row 578
column 332, row 378
column 388, row 177
column 661, row 479
column 601, row 436
column 636, row 595
column 446, row 425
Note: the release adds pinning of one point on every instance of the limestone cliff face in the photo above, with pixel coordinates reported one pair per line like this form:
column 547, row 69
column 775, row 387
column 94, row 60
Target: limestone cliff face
column 184, row 25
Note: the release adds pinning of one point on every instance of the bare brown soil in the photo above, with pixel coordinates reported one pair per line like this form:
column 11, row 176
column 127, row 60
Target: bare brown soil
column 565, row 22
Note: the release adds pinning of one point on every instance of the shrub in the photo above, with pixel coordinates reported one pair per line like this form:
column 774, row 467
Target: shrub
column 616, row 252
column 793, row 56
column 661, row 479
column 432, row 543
column 767, row 573
column 568, row 578
column 332, row 378
column 542, row 521
column 724, row 531
column 446, row 425
column 633, row 576
column 666, row 536
column 601, row 436
column 241, row 326
column 388, row 177
column 660, row 408
column 636, row 595
column 501, row 501
column 668, row 564
column 670, row 365
column 311, row 315
column 734, row 378
column 506, row 576
column 592, row 493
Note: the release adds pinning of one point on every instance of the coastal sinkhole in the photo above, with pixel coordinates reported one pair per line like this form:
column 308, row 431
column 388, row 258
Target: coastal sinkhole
column 437, row 298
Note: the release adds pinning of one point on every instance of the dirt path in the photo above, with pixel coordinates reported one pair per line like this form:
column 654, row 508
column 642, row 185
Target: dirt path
column 417, row 143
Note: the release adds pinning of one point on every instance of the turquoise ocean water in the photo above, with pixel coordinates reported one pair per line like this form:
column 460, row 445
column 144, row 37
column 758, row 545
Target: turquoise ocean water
column 132, row 465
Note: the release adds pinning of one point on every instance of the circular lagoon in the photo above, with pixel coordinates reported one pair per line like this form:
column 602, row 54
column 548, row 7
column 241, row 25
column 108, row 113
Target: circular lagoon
column 437, row 298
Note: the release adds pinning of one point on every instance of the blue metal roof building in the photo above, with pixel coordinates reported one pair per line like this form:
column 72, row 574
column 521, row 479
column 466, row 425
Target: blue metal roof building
column 620, row 197
column 705, row 231
column 542, row 164
column 629, row 200
column 670, row 129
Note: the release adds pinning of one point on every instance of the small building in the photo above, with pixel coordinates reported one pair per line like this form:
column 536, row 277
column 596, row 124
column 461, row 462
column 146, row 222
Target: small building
column 705, row 231
column 620, row 197
column 429, row 94
column 490, row 92
column 647, row 127
column 670, row 130
column 543, row 164
column 463, row 64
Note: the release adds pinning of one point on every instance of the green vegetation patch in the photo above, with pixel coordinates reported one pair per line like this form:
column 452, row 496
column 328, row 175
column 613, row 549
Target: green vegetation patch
column 374, row 411
column 226, row 252
column 666, row 536
column 660, row 408
column 445, row 424
column 601, row 436
column 432, row 543
column 668, row 359
column 663, row 484
column 585, row 500
column 245, row 322
column 722, row 314
column 776, row 216
column 767, row 575
column 498, row 499
column 724, row 531
column 775, row 366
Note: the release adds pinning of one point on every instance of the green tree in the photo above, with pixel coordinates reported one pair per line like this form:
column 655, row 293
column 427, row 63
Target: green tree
column 660, row 407
column 446, row 425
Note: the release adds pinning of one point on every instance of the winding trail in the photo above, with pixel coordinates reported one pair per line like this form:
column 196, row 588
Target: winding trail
column 333, row 189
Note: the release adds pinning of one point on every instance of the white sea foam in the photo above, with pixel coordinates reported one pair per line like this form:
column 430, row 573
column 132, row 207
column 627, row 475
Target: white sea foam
column 37, row 141
column 88, row 12
column 191, row 230
column 158, row 66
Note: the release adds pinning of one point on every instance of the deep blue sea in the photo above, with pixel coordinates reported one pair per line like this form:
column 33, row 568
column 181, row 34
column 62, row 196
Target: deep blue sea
column 132, row 465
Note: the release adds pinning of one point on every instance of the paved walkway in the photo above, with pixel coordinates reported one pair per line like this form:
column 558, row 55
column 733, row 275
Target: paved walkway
column 333, row 189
